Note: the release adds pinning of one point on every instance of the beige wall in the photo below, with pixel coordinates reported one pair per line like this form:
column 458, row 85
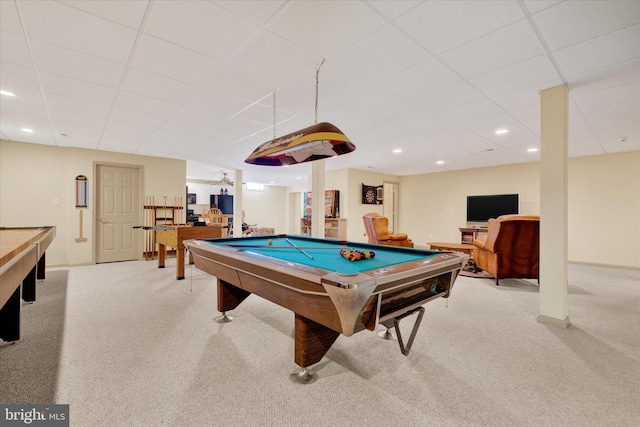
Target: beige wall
column 604, row 204
column 37, row 188
column 604, row 199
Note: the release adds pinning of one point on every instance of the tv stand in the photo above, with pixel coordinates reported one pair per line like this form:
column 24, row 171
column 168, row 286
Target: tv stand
column 469, row 234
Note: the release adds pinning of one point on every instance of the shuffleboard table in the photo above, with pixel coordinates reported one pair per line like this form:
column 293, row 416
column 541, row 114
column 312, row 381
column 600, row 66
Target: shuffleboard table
column 22, row 261
column 174, row 237
column 329, row 294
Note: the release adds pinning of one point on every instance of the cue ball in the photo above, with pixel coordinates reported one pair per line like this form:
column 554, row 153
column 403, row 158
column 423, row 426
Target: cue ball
column 270, row 242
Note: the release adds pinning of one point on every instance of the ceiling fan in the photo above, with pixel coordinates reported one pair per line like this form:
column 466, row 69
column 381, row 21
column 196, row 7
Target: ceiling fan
column 224, row 181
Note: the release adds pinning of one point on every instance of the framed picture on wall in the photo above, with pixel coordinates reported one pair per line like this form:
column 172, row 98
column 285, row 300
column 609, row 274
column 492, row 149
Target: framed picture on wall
column 191, row 198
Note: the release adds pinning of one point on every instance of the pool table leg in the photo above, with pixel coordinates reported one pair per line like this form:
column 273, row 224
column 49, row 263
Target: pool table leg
column 29, row 286
column 313, row 340
column 10, row 317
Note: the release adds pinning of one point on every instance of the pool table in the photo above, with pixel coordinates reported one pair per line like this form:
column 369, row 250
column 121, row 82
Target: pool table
column 22, row 261
column 329, row 294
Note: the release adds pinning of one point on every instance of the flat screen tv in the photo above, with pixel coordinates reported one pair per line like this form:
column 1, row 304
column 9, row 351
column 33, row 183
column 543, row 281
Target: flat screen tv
column 481, row 208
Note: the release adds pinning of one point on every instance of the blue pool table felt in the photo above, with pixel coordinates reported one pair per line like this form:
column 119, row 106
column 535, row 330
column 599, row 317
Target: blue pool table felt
column 328, row 259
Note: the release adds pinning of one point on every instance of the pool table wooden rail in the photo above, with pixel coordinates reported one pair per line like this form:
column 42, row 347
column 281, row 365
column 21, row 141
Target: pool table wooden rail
column 22, row 261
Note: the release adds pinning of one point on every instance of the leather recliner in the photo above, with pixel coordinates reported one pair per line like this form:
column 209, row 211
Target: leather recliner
column 511, row 249
column 377, row 228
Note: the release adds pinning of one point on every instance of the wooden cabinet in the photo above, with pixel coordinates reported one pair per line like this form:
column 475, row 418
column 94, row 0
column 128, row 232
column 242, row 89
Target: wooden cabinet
column 334, row 228
column 469, row 234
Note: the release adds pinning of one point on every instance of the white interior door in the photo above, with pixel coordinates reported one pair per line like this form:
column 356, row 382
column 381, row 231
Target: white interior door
column 389, row 204
column 118, row 210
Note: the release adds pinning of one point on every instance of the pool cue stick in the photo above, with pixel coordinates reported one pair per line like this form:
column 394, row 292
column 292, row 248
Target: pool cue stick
column 300, row 249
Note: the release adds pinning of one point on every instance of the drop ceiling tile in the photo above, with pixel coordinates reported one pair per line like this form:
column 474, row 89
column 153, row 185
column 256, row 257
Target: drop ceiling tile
column 128, row 13
column 157, row 147
column 448, row 130
column 424, row 122
column 369, row 99
column 392, row 9
column 153, row 85
column 90, row 142
column 78, row 31
column 145, row 104
column 13, row 77
column 33, row 110
column 333, row 81
column 9, row 19
column 616, row 47
column 75, row 129
column 613, row 95
column 76, row 118
column 222, row 104
column 169, row 60
column 65, row 86
column 74, row 105
column 449, row 97
column 523, row 98
column 257, row 12
column 402, row 111
column 65, row 62
column 122, row 142
column 12, row 124
column 623, row 147
column 425, row 77
column 605, row 77
column 276, row 58
column 536, row 73
column 325, row 28
column 381, row 54
column 613, row 110
column 535, row 6
column 507, row 46
column 443, row 25
column 14, row 49
column 137, row 117
column 23, row 96
column 141, row 131
column 202, row 27
column 236, row 82
column 573, row 22
column 474, row 110
column 197, row 115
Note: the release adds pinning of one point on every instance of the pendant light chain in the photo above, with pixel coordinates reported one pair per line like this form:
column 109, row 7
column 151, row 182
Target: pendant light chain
column 274, row 114
column 317, row 85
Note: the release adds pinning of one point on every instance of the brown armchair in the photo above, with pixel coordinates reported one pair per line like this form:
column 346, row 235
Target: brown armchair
column 512, row 247
column 377, row 228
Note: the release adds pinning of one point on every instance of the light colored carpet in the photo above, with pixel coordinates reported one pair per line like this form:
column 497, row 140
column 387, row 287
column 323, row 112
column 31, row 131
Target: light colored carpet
column 125, row 344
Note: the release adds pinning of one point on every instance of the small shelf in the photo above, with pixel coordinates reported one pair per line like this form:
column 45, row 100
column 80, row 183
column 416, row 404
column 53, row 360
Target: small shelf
column 469, row 234
column 334, row 228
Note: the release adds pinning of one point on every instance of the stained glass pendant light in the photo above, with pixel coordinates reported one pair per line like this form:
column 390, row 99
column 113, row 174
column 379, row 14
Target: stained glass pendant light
column 319, row 141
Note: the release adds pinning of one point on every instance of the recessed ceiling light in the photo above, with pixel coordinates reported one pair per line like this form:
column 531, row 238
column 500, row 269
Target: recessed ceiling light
column 27, row 130
column 298, row 177
column 397, row 150
column 532, row 150
column 7, row 93
column 501, row 131
column 440, row 162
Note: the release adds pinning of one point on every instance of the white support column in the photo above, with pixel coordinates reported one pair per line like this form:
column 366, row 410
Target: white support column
column 237, row 203
column 554, row 141
column 317, row 198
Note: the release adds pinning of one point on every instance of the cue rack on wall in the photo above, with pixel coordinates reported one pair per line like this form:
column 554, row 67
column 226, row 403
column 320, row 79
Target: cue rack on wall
column 158, row 212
